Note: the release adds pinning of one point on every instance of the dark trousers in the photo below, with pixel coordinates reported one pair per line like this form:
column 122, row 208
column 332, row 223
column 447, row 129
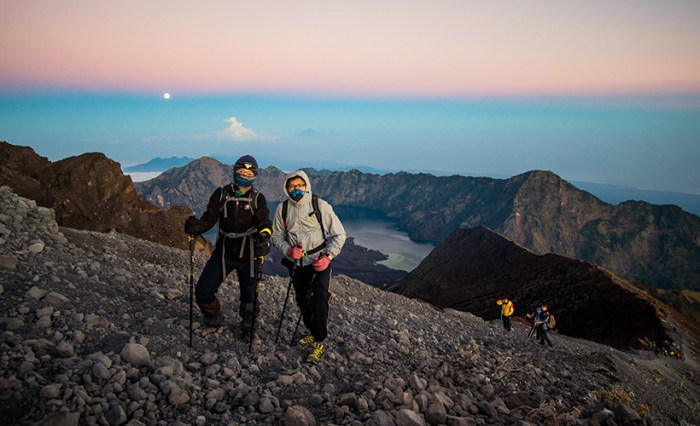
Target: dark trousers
column 212, row 276
column 544, row 337
column 506, row 323
column 311, row 290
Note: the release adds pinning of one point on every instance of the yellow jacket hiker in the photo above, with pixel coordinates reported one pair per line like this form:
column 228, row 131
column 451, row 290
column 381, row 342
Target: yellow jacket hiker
column 507, row 309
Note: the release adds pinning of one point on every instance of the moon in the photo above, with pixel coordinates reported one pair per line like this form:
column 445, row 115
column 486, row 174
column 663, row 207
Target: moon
column 166, row 95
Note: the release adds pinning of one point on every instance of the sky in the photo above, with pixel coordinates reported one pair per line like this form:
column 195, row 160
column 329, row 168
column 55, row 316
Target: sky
column 595, row 91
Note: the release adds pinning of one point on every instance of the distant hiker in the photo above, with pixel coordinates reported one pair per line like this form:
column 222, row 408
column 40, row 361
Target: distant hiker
column 507, row 310
column 543, row 326
column 535, row 317
column 243, row 238
column 308, row 232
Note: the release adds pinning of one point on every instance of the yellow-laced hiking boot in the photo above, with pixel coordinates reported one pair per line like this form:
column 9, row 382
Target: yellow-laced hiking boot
column 306, row 340
column 315, row 355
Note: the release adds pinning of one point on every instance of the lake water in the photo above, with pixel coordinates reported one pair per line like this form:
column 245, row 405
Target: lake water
column 373, row 230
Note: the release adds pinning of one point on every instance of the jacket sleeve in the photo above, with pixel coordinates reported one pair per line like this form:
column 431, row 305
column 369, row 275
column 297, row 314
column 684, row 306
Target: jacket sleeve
column 211, row 214
column 334, row 229
column 279, row 232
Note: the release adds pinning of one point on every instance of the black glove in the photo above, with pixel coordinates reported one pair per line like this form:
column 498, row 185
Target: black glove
column 192, row 226
column 262, row 244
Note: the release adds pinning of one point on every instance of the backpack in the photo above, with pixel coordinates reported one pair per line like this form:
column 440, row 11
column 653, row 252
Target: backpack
column 316, row 212
column 551, row 322
column 251, row 198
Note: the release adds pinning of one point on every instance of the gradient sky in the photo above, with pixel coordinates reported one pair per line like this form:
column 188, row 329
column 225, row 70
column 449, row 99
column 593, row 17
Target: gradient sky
column 598, row 91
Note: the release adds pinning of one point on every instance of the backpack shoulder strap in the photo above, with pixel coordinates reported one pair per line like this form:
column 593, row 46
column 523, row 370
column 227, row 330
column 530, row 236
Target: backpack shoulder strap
column 254, row 200
column 285, row 206
column 317, row 212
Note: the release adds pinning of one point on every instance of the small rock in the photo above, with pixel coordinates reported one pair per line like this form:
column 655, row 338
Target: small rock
column 36, row 293
column 136, row 355
column 57, row 300
column 296, row 415
column 172, row 294
column 61, row 419
column 36, row 247
column 8, row 262
column 407, row 417
column 65, row 349
column 50, row 391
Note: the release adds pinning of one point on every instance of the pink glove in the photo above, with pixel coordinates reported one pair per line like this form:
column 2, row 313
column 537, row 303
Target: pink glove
column 321, row 263
column 295, row 252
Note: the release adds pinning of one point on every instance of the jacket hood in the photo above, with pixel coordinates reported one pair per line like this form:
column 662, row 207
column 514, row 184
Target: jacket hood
column 302, row 174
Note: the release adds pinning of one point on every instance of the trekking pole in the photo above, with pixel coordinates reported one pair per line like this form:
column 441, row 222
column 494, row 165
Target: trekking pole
column 258, row 278
column 309, row 292
column 190, row 239
column 289, row 288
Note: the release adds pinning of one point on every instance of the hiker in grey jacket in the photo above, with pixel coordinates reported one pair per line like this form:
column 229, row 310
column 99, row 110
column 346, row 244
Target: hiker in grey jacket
column 299, row 235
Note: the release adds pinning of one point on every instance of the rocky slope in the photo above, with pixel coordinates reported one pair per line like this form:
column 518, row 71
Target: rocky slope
column 90, row 192
column 656, row 245
column 473, row 268
column 95, row 331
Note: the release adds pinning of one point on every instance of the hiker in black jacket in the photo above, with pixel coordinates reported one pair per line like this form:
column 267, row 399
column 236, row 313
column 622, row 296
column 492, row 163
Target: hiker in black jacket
column 243, row 238
column 542, row 325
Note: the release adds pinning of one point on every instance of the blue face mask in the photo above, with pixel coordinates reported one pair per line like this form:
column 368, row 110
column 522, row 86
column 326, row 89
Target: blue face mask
column 242, row 182
column 296, row 194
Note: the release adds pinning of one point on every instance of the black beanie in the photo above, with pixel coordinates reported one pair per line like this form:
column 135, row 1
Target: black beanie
column 246, row 162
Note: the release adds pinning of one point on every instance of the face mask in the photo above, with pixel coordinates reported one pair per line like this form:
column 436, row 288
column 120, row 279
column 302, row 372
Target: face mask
column 296, row 194
column 242, row 182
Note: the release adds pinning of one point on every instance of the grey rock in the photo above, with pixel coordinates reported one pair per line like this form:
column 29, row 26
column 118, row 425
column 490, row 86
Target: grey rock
column 409, row 418
column 61, row 419
column 382, row 418
column 57, row 300
column 65, row 349
column 115, row 415
column 36, row 293
column 136, row 355
column 50, row 391
column 8, row 262
column 178, row 396
column 36, row 247
column 436, row 414
column 297, row 415
column 266, row 406
column 625, row 414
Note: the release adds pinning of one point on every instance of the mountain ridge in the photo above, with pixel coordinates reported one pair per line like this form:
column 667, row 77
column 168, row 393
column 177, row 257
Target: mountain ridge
column 654, row 245
column 609, row 193
column 90, row 192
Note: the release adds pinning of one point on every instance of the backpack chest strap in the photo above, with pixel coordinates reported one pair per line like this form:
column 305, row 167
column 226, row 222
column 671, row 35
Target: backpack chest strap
column 246, row 236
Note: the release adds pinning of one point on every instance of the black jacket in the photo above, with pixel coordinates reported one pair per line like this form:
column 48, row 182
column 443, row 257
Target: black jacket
column 237, row 215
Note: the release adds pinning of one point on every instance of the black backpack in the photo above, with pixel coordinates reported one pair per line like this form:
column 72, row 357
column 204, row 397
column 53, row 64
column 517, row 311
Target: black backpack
column 316, row 212
column 251, row 198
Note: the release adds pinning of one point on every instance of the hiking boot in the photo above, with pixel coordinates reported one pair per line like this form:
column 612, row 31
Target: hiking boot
column 214, row 320
column 245, row 334
column 246, row 328
column 315, row 355
column 308, row 340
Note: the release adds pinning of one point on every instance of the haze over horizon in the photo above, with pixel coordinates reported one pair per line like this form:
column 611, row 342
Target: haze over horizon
column 596, row 91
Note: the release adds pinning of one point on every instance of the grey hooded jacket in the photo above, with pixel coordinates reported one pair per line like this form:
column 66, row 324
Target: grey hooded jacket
column 302, row 225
